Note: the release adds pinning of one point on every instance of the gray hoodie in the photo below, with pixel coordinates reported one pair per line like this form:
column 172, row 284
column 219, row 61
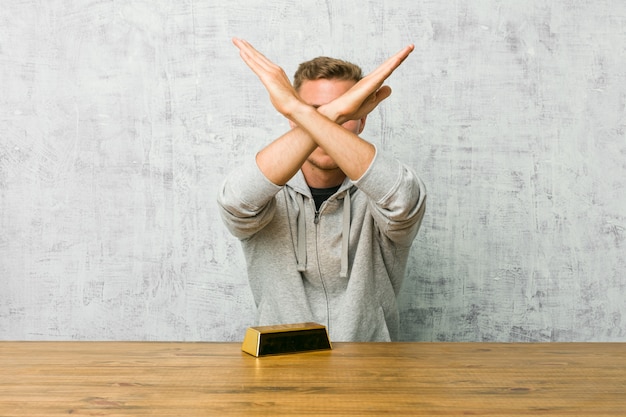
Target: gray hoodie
column 342, row 266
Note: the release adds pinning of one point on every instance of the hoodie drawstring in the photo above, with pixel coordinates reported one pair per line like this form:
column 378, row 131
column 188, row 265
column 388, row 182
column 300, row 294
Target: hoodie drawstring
column 345, row 238
column 301, row 256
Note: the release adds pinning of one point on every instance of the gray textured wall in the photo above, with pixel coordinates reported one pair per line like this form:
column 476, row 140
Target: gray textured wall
column 118, row 120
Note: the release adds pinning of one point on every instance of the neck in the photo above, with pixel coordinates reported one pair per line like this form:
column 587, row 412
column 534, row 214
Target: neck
column 322, row 178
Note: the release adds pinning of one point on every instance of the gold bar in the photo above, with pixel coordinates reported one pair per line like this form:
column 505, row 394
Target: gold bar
column 285, row 338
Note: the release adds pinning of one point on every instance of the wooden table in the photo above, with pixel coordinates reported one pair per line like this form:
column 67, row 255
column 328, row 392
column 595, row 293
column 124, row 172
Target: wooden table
column 193, row 379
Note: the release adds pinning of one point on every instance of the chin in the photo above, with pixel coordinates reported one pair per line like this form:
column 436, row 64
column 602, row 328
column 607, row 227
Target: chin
column 325, row 164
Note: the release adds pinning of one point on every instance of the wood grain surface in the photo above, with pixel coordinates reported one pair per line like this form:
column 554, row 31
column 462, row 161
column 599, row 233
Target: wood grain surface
column 188, row 379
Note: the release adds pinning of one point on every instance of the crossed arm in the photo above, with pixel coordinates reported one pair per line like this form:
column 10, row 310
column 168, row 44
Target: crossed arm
column 321, row 127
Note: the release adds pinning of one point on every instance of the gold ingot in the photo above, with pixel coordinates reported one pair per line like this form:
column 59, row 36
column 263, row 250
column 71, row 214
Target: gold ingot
column 285, row 338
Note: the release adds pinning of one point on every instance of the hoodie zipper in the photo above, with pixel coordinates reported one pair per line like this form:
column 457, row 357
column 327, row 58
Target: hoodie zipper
column 316, row 220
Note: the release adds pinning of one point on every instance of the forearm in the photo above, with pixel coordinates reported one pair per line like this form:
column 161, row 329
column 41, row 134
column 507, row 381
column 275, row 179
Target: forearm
column 281, row 159
column 351, row 153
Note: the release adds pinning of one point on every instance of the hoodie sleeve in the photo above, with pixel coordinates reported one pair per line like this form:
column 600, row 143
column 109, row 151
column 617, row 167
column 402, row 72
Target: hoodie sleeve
column 397, row 198
column 246, row 201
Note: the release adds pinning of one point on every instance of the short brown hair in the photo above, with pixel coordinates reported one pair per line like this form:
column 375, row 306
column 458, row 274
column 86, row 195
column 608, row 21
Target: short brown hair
column 326, row 68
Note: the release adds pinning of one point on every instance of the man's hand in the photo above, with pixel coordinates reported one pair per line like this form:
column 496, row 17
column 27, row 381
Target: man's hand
column 282, row 94
column 356, row 103
column 367, row 94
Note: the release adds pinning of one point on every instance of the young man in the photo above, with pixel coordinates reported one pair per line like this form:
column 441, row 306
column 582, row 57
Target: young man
column 325, row 219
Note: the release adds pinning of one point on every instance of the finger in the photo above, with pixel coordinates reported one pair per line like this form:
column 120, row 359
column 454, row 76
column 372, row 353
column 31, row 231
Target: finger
column 268, row 72
column 382, row 93
column 376, row 98
column 375, row 79
column 393, row 62
column 255, row 59
column 248, row 54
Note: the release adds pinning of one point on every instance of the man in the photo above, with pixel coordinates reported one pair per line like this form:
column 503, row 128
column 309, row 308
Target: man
column 325, row 219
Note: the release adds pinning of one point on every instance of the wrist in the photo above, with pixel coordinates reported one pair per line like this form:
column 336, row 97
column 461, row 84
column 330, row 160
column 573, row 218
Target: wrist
column 330, row 113
column 301, row 113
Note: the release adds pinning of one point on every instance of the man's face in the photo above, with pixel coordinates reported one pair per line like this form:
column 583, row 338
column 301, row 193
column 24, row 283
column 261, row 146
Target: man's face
column 320, row 92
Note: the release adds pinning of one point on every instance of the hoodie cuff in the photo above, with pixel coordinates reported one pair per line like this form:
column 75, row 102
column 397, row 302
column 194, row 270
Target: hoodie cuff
column 381, row 178
column 254, row 187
